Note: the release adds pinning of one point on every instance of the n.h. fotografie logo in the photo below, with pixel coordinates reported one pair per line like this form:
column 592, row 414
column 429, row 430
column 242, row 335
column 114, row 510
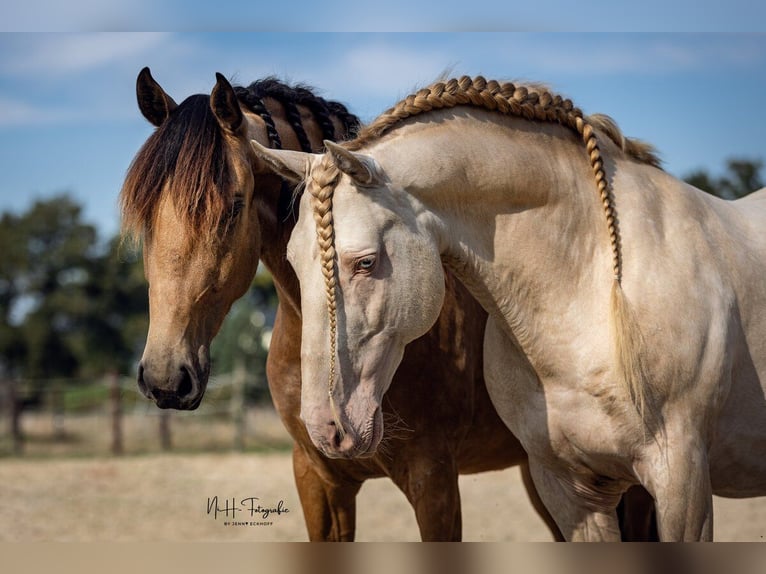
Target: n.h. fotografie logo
column 244, row 511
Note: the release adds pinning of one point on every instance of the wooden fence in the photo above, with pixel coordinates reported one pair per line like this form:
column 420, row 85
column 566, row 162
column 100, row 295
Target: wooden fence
column 109, row 416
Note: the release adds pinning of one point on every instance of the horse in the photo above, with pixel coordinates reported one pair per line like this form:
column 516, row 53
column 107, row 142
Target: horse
column 626, row 339
column 207, row 210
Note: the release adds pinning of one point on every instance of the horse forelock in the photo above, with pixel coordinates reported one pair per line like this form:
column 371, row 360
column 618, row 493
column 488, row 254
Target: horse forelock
column 185, row 159
column 321, row 187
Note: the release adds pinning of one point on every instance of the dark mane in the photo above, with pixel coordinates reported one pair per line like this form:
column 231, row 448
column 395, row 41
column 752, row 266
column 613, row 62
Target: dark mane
column 291, row 97
column 189, row 149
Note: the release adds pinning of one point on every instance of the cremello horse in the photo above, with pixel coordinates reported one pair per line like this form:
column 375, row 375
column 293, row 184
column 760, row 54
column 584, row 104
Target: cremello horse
column 207, row 210
column 627, row 335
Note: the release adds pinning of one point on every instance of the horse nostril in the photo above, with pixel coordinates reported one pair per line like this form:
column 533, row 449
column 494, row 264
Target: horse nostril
column 141, row 383
column 185, row 386
column 336, row 437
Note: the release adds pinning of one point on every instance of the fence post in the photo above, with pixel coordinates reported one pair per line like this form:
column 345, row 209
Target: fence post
column 238, row 411
column 14, row 416
column 165, row 442
column 57, row 410
column 115, row 397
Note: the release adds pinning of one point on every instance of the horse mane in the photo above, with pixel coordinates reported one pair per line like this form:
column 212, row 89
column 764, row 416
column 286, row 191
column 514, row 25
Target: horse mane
column 189, row 150
column 637, row 149
column 533, row 101
column 291, row 97
column 536, row 103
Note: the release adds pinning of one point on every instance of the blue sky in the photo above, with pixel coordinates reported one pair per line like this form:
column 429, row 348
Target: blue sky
column 69, row 120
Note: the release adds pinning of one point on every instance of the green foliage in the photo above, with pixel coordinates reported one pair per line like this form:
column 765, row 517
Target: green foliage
column 69, row 306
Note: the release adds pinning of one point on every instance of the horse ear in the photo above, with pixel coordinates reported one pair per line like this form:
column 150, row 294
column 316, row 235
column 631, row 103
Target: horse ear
column 291, row 165
column 225, row 105
column 359, row 167
column 154, row 103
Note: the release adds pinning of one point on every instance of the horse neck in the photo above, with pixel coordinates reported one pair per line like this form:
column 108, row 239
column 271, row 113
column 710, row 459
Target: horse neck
column 515, row 209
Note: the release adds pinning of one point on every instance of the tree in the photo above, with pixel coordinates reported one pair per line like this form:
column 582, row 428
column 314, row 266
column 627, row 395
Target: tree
column 112, row 331
column 41, row 277
column 742, row 177
column 12, row 346
column 68, row 304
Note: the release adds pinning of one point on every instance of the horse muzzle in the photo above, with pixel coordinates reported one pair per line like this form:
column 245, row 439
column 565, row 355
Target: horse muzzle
column 182, row 388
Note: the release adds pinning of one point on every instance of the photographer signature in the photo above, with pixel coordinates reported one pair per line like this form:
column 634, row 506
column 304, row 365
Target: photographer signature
column 229, row 507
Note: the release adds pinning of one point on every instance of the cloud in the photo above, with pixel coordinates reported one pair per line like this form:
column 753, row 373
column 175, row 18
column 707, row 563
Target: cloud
column 67, row 78
column 64, row 54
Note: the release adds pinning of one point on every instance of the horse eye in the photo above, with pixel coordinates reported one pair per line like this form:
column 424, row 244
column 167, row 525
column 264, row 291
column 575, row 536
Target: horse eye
column 365, row 263
column 237, row 206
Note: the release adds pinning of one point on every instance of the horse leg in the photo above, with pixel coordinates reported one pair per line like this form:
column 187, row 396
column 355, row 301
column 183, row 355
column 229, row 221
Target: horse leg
column 537, row 503
column 679, row 480
column 590, row 519
column 329, row 507
column 635, row 512
column 429, row 480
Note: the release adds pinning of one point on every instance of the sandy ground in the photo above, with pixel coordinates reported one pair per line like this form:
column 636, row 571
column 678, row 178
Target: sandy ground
column 160, row 498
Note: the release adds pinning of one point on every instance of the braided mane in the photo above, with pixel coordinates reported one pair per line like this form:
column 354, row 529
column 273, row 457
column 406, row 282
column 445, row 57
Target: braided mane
column 291, row 97
column 531, row 101
column 535, row 103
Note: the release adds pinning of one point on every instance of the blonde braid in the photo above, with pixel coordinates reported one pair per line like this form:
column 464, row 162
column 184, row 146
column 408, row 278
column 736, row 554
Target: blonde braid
column 321, row 188
column 533, row 103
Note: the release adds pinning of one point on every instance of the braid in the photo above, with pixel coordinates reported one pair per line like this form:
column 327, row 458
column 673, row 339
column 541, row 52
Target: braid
column 351, row 123
column 533, row 103
column 319, row 108
column 254, row 103
column 294, row 118
column 291, row 97
column 321, row 188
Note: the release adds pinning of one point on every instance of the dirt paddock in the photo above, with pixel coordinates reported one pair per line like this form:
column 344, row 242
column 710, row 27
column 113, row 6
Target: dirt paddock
column 161, row 498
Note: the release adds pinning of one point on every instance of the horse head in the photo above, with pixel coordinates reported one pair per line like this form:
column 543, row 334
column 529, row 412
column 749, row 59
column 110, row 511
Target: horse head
column 189, row 196
column 372, row 284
